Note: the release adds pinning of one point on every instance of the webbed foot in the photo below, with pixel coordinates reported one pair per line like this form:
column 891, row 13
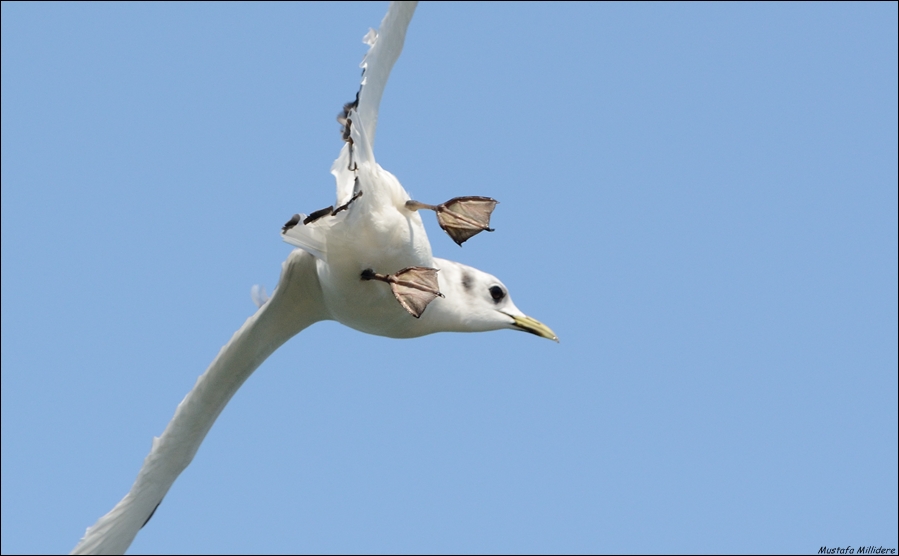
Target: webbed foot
column 461, row 217
column 414, row 287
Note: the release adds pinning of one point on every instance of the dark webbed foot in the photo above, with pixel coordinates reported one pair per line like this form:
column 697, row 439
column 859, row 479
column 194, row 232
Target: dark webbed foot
column 414, row 287
column 461, row 217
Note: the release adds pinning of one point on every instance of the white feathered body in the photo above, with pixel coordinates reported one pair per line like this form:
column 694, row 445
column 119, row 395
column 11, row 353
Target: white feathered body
column 323, row 280
column 376, row 232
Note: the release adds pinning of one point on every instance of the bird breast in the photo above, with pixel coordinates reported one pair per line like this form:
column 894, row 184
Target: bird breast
column 377, row 232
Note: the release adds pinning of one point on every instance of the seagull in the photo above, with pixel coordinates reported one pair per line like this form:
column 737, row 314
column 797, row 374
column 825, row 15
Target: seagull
column 365, row 262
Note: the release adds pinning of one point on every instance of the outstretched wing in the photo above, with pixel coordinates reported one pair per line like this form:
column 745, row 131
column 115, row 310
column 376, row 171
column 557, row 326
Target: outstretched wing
column 295, row 304
column 385, row 47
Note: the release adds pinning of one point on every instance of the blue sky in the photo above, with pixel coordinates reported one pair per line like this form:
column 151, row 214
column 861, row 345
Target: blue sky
column 701, row 200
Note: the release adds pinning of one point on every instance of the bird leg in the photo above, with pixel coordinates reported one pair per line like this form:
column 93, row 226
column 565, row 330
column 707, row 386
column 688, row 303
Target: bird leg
column 414, row 287
column 461, row 217
column 347, row 204
column 327, row 211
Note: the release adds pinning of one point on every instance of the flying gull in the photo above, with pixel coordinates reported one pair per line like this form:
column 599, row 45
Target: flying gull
column 365, row 262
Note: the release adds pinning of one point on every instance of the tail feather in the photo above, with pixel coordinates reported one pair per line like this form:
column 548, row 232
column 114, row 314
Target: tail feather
column 308, row 238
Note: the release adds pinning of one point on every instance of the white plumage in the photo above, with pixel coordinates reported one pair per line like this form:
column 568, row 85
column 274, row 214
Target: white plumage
column 349, row 267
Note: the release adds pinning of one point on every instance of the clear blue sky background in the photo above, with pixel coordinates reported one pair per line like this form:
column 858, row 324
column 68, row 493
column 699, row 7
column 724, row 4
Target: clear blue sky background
column 700, row 199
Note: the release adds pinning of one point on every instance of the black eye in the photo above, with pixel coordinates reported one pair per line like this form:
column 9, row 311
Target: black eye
column 497, row 293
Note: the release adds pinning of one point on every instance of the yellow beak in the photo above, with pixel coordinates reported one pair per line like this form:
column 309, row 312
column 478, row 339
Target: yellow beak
column 534, row 326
